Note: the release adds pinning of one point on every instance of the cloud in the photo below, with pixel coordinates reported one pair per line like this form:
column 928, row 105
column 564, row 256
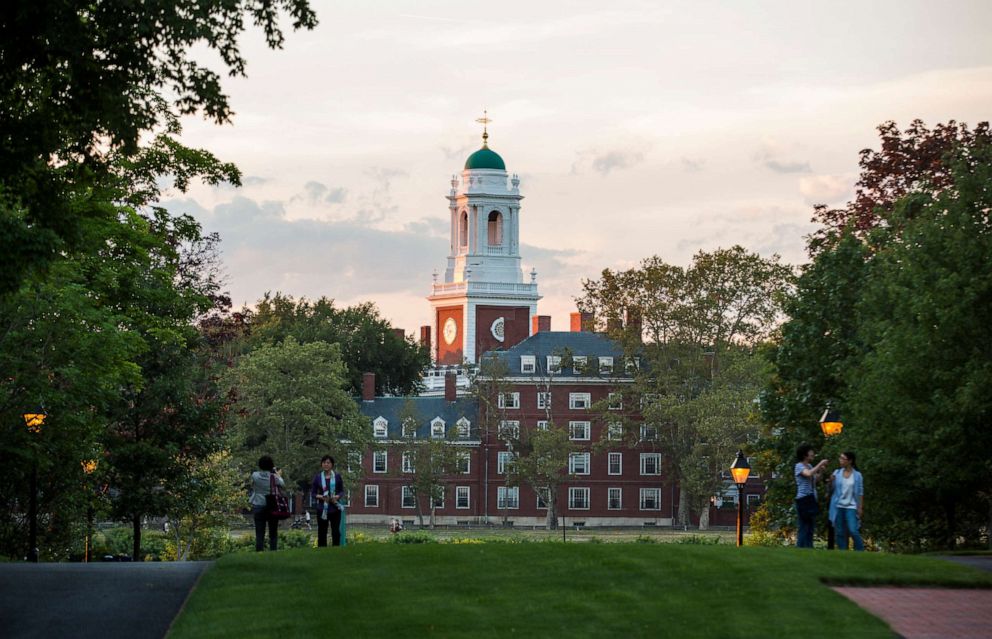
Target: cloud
column 780, row 159
column 603, row 162
column 315, row 193
column 826, row 189
column 253, row 180
column 433, row 226
column 692, row 165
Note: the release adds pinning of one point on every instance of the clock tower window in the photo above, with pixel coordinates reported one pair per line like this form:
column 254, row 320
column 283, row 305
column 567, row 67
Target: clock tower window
column 495, row 228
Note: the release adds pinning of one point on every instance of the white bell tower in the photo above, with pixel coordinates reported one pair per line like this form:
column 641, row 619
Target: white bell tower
column 483, row 302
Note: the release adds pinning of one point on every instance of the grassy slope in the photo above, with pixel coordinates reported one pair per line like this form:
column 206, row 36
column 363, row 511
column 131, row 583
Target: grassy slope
column 547, row 590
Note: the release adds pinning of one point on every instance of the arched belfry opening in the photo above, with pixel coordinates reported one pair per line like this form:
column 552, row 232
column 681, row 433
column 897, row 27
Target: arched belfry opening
column 463, row 230
column 495, row 228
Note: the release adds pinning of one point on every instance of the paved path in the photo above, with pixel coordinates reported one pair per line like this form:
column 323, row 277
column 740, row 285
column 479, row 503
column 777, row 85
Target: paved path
column 928, row 613
column 982, row 562
column 98, row 600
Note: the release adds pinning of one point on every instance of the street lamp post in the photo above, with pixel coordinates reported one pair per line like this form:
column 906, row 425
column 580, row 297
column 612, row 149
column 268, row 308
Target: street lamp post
column 88, row 467
column 740, row 469
column 831, row 425
column 33, row 422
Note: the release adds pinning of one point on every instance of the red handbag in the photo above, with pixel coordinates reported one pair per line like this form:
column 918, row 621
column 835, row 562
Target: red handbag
column 276, row 503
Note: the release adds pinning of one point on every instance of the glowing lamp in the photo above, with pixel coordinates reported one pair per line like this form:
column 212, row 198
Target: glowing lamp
column 34, row 421
column 830, row 423
column 740, row 469
column 89, row 465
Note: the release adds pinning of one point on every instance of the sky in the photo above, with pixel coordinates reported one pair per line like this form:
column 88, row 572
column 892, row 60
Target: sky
column 637, row 129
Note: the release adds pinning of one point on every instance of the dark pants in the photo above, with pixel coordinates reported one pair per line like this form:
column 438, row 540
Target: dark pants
column 334, row 520
column 261, row 516
column 804, row 538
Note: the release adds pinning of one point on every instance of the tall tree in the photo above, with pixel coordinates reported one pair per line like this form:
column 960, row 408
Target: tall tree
column 82, row 81
column 368, row 343
column 683, row 323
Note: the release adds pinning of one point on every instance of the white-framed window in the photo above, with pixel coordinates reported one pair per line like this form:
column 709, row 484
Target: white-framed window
column 379, row 459
column 408, row 461
column 754, row 474
column 605, row 365
column 650, row 463
column 650, row 499
column 409, row 499
column 528, row 364
column 437, row 428
column 509, row 429
column 616, row 401
column 614, row 431
column 409, row 428
column 579, row 364
column 543, row 497
column 509, row 400
column 438, row 502
column 647, row 399
column 464, row 428
column 649, row 433
column 579, row 401
column 380, row 428
column 464, row 463
column 354, row 462
column 554, row 364
column 615, row 463
column 543, row 400
column 508, row 497
column 579, row 431
column 503, row 459
column 578, row 463
column 578, row 498
column 463, row 496
column 753, row 500
column 542, row 424
column 614, row 498
column 371, row 496
column 632, row 365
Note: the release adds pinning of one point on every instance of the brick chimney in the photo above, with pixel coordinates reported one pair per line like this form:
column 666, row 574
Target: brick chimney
column 368, row 387
column 634, row 324
column 580, row 322
column 540, row 324
column 450, row 392
column 400, row 333
column 425, row 337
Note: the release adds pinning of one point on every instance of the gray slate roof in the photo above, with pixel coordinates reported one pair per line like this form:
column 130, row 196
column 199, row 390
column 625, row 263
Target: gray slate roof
column 541, row 345
column 427, row 409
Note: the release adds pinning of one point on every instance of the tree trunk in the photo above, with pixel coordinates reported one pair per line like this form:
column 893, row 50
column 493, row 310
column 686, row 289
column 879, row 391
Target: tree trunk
column 136, row 545
column 704, row 516
column 433, row 510
column 683, row 515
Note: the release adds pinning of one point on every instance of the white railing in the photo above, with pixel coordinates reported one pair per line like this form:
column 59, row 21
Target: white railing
column 495, row 250
column 483, row 287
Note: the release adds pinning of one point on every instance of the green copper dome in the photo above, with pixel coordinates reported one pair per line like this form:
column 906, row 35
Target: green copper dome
column 485, row 158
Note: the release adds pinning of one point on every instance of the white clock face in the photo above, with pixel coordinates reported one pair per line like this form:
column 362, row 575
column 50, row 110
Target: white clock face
column 497, row 329
column 450, row 331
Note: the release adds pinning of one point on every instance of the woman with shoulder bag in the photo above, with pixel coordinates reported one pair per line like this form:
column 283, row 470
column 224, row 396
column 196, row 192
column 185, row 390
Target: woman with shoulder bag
column 261, row 487
column 806, row 507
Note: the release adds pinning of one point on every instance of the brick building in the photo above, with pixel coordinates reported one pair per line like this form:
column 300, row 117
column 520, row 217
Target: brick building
column 617, row 476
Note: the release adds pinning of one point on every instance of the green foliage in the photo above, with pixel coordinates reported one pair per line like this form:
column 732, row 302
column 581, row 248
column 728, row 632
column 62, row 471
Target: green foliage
column 413, row 537
column 290, row 403
column 367, row 341
column 698, row 540
column 890, row 322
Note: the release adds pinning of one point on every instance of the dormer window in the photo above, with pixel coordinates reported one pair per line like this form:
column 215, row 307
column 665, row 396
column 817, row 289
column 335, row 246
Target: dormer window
column 380, row 427
column 410, row 428
column 464, row 428
column 579, row 363
column 554, row 364
column 437, row 428
column 605, row 365
column 528, row 364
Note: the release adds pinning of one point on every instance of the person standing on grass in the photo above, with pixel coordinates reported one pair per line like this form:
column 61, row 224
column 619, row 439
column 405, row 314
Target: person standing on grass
column 847, row 501
column 261, row 486
column 806, row 507
column 328, row 490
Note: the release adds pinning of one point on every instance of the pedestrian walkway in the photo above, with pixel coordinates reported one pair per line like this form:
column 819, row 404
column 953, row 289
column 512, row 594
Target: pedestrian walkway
column 928, row 613
column 98, row 600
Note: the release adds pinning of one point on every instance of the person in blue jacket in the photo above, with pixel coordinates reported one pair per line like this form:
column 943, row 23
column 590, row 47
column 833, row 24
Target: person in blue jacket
column 328, row 490
column 847, row 501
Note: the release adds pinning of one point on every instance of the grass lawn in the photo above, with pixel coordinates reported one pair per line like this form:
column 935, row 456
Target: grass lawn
column 548, row 590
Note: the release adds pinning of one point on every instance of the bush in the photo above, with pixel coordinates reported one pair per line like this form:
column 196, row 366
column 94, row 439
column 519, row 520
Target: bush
column 645, row 539
column 698, row 540
column 209, row 543
column 296, row 539
column 119, row 541
column 410, row 537
column 765, row 538
column 359, row 537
